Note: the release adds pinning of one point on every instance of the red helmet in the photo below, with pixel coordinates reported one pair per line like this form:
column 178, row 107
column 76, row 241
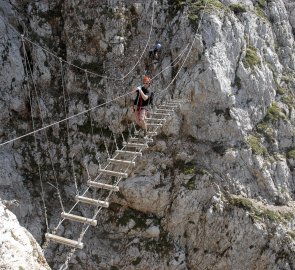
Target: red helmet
column 147, row 79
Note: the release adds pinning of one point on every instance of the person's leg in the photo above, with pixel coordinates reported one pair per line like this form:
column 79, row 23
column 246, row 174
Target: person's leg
column 143, row 114
column 136, row 118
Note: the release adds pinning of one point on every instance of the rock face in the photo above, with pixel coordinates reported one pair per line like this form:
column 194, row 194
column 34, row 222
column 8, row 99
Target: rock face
column 216, row 188
column 18, row 249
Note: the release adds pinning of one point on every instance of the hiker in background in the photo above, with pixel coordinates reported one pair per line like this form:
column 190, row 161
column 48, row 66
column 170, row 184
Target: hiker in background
column 142, row 101
column 154, row 58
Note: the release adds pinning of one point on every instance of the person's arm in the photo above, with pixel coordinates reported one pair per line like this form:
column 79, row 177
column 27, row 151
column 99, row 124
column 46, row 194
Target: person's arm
column 143, row 95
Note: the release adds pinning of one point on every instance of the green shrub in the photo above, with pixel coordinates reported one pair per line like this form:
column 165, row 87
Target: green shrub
column 288, row 100
column 274, row 113
column 281, row 90
column 287, row 78
column 260, row 213
column 251, row 59
column 215, row 4
column 260, row 13
column 262, row 3
column 291, row 233
column 266, row 130
column 291, row 154
column 256, row 146
column 191, row 184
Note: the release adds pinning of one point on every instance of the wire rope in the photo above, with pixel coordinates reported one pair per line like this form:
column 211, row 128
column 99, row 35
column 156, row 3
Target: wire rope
column 100, row 105
column 190, row 49
column 90, row 109
column 36, row 149
column 89, row 72
column 42, row 120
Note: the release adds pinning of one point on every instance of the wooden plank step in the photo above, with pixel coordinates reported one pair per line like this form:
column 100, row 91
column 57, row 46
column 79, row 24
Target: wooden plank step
column 156, row 119
column 154, row 124
column 139, row 154
column 149, row 133
column 135, row 140
column 113, row 173
column 160, row 114
column 102, row 185
column 136, row 145
column 121, row 162
column 64, row 241
column 91, row 201
column 85, row 220
column 177, row 104
column 168, row 106
column 164, row 110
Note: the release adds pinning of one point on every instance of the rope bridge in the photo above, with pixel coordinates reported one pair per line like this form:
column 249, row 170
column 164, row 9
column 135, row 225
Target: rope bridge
column 119, row 164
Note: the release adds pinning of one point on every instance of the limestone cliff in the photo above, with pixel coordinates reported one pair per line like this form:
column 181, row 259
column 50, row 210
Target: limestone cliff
column 216, row 188
column 18, row 249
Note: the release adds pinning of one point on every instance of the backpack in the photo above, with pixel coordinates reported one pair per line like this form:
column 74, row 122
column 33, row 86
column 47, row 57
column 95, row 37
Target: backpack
column 151, row 99
column 151, row 54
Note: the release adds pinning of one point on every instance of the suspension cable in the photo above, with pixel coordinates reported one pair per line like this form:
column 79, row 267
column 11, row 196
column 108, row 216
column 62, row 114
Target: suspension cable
column 90, row 116
column 190, row 49
column 174, row 62
column 90, row 109
column 89, row 72
column 39, row 107
column 64, row 97
column 36, row 148
column 65, row 119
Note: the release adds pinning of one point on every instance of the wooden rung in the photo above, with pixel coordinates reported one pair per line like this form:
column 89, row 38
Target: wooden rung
column 149, row 133
column 154, row 125
column 156, row 119
column 161, row 114
column 135, row 140
column 171, row 102
column 167, row 106
column 139, row 154
column 102, row 185
column 113, row 173
column 164, row 110
column 91, row 201
column 137, row 145
column 172, row 105
column 121, row 162
column 85, row 220
column 64, row 241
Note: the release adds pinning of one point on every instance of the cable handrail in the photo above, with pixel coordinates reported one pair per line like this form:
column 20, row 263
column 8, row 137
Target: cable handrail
column 94, row 107
column 65, row 119
column 83, row 69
